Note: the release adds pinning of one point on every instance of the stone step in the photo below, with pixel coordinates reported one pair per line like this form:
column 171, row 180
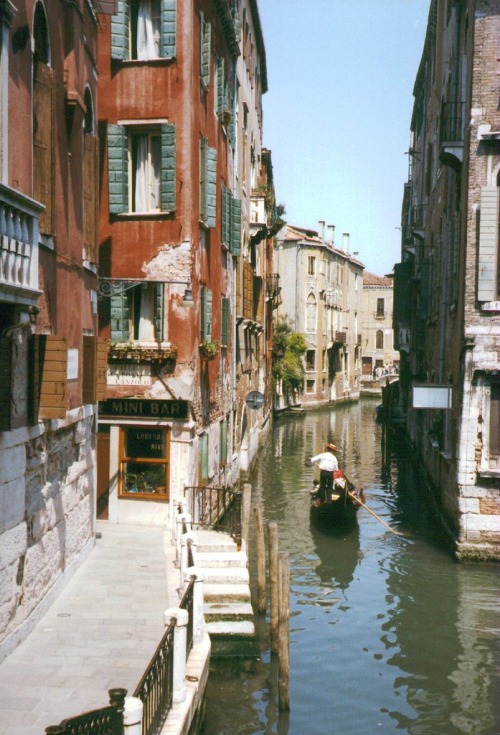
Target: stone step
column 214, row 559
column 226, row 592
column 231, row 628
column 226, row 575
column 213, row 541
column 235, row 610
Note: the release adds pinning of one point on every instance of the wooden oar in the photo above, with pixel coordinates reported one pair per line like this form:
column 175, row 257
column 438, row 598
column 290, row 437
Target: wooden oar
column 360, row 502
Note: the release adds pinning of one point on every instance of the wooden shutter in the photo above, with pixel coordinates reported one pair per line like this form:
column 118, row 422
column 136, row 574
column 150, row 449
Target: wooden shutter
column 102, row 368
column 90, row 197
column 52, row 356
column 247, row 290
column 224, row 330
column 120, row 317
column 168, row 27
column 6, row 349
column 168, row 183
column 117, row 169
column 205, row 50
column 211, row 186
column 43, row 146
column 89, row 369
column 206, row 314
column 226, row 217
column 120, row 32
column 159, row 311
column 236, row 227
column 488, row 245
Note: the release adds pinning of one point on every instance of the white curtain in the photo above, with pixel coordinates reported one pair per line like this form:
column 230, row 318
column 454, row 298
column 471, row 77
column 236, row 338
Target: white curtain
column 146, row 44
column 146, row 316
column 141, row 175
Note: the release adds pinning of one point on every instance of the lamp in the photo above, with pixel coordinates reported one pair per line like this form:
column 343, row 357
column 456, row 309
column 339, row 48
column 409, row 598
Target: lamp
column 188, row 296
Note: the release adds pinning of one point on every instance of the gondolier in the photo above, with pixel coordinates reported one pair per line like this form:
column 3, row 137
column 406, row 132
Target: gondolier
column 328, row 464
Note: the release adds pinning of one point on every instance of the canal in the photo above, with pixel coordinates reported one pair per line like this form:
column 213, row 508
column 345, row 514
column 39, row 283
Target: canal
column 388, row 633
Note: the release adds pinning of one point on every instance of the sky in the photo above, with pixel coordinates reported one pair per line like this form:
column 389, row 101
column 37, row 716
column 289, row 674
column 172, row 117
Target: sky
column 337, row 115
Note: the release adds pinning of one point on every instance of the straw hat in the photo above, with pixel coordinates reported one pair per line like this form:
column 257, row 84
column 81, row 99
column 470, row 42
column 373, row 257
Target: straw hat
column 332, row 447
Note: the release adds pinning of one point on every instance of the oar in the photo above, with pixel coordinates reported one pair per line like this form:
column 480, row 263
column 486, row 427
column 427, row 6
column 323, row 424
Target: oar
column 360, row 502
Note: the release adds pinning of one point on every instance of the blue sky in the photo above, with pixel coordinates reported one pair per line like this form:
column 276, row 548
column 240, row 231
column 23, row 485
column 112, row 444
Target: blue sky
column 337, row 114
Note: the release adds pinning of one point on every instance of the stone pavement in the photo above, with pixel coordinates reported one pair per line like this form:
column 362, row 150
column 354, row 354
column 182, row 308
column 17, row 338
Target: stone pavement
column 100, row 633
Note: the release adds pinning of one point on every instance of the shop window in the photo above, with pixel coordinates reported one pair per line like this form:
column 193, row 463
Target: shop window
column 144, row 463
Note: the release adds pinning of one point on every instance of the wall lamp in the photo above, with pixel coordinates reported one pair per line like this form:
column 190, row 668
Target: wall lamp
column 109, row 287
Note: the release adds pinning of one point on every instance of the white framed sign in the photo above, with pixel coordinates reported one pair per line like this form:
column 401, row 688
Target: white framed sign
column 432, row 396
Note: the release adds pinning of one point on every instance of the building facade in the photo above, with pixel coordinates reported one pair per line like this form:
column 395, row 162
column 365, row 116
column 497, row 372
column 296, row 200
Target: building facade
column 48, row 302
column 379, row 358
column 181, row 153
column 322, row 289
column 447, row 286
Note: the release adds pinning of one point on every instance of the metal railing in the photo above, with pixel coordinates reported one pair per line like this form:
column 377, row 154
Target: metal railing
column 452, row 122
column 155, row 689
column 104, row 721
column 187, row 604
column 215, row 507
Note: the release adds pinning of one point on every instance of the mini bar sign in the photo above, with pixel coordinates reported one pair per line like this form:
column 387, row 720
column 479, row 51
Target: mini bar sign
column 146, row 409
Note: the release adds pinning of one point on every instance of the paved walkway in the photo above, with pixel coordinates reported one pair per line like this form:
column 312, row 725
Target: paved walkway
column 100, row 633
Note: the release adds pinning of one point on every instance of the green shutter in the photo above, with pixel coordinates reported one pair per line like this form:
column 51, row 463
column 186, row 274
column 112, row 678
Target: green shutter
column 168, row 183
column 159, row 311
column 205, row 49
column 168, row 27
column 236, row 226
column 221, row 87
column 232, row 128
column 117, row 169
column 224, row 330
column 206, row 314
column 120, row 317
column 203, row 177
column 226, row 216
column 223, row 442
column 211, row 186
column 120, row 22
column 203, row 458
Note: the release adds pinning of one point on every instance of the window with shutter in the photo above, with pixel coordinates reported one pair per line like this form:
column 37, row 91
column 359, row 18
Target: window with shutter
column 487, row 277
column 120, row 317
column 226, row 217
column 168, row 157
column 224, row 332
column 144, row 30
column 90, row 197
column 159, row 291
column 223, row 443
column 51, row 355
column 205, row 51
column 494, row 443
column 236, row 227
column 206, row 314
column 89, row 369
column 43, row 145
column 118, row 169
column 102, row 368
column 208, row 183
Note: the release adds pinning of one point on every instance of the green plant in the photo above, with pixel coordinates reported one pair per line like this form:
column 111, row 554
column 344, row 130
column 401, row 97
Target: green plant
column 209, row 349
column 288, row 349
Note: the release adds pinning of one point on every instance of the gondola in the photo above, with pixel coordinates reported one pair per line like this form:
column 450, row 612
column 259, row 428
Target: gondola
column 341, row 508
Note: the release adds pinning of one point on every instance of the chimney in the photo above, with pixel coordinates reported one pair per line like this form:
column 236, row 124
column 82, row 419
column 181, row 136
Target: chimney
column 321, row 229
column 331, row 234
column 345, row 242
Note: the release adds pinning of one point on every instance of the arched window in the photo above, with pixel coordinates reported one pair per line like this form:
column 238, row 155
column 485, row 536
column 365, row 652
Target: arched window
column 311, row 313
column 379, row 340
column 90, row 181
column 43, row 122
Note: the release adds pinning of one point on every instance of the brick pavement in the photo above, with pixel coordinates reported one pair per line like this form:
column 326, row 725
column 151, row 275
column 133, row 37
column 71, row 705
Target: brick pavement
column 100, row 633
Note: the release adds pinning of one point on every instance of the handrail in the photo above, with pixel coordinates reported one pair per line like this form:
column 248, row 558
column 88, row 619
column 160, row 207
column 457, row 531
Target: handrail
column 215, row 507
column 155, row 689
column 187, row 603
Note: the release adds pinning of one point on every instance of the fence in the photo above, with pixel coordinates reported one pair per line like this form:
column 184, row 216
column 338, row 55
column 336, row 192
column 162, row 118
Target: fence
column 215, row 507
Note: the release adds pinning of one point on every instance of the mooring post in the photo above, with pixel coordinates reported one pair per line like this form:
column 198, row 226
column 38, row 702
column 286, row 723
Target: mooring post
column 196, row 573
column 132, row 716
column 181, row 618
column 284, row 633
column 273, row 583
column 260, row 546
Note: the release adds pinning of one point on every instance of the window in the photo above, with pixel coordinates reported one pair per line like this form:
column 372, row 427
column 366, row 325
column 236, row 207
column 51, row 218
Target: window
column 310, row 386
column 141, row 169
column 224, row 330
column 231, row 222
column 379, row 340
column 143, row 30
column 311, row 313
column 144, row 463
column 203, row 455
column 137, row 313
column 310, row 359
column 208, row 183
column 311, row 265
column 90, row 182
column 380, row 307
column 206, row 315
column 488, row 278
column 494, row 443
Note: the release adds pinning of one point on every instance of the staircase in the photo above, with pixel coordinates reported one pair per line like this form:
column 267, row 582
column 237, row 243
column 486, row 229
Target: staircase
column 226, row 590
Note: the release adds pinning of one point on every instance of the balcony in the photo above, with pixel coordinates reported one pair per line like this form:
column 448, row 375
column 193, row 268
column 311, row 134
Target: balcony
column 451, row 134
column 273, row 289
column 18, row 246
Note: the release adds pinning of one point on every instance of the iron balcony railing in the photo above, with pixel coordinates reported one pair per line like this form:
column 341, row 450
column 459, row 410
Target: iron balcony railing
column 452, row 122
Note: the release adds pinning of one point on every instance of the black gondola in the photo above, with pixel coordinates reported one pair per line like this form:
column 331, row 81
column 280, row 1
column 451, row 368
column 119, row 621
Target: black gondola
column 340, row 508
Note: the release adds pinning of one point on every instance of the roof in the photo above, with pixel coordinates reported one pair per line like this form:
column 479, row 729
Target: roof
column 370, row 279
column 293, row 233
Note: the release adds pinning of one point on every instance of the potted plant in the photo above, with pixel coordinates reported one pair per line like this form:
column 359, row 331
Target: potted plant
column 209, row 349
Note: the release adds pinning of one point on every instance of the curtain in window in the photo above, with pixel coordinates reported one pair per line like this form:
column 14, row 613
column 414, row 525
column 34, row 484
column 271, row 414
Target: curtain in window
column 146, row 316
column 141, row 175
column 147, row 44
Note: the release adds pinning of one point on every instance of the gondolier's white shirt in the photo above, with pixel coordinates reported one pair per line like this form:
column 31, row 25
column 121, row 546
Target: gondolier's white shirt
column 326, row 461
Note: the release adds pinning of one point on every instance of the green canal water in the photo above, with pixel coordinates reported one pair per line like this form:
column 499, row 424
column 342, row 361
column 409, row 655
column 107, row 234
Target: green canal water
column 388, row 634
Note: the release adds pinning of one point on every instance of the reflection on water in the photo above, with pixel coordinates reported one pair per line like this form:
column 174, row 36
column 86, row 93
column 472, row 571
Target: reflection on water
column 387, row 633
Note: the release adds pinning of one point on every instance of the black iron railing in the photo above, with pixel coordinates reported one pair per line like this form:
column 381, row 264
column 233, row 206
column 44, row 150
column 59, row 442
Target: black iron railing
column 215, row 507
column 155, row 689
column 104, row 721
column 452, row 122
column 187, row 604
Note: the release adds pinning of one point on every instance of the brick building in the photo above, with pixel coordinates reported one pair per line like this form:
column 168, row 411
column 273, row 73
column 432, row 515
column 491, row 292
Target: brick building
column 447, row 286
column 48, row 304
